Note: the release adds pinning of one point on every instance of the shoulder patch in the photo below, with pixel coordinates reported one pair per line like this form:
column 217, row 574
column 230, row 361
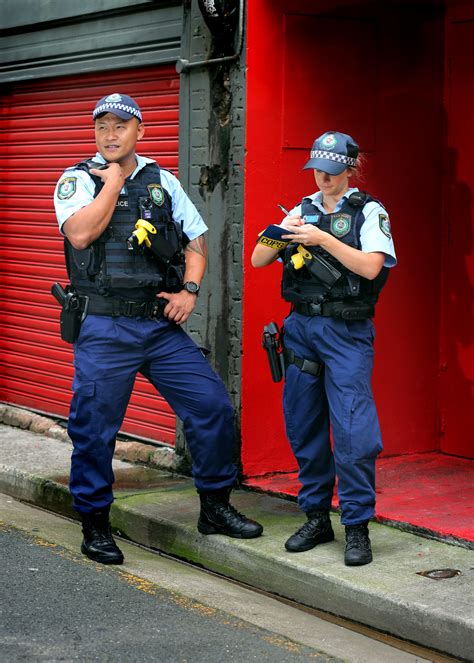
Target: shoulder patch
column 384, row 223
column 67, row 188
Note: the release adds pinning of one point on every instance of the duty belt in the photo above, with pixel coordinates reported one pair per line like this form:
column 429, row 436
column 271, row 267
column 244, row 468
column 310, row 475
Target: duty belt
column 114, row 307
column 347, row 311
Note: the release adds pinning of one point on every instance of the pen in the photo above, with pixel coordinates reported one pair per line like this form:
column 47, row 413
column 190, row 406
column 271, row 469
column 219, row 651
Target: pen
column 283, row 209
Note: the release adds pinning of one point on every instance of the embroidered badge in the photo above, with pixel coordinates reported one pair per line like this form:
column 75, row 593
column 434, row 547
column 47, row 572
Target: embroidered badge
column 328, row 142
column 384, row 224
column 113, row 97
column 156, row 194
column 67, row 188
column 340, row 224
column 312, row 218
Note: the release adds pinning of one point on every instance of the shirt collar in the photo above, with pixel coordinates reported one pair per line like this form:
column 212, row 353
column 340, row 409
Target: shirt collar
column 318, row 199
column 141, row 162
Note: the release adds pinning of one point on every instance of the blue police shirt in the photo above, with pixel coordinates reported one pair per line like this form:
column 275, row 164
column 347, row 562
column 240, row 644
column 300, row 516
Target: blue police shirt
column 375, row 234
column 75, row 189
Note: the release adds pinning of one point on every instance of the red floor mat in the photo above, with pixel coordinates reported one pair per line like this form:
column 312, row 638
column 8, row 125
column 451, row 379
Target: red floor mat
column 428, row 492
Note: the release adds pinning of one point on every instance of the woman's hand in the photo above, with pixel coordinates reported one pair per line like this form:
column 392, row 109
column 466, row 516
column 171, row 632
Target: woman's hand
column 291, row 222
column 305, row 233
column 264, row 255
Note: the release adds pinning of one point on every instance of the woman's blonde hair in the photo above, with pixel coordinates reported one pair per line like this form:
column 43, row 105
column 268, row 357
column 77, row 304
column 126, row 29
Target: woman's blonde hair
column 358, row 170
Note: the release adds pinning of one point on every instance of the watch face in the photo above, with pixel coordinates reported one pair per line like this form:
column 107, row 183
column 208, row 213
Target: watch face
column 192, row 287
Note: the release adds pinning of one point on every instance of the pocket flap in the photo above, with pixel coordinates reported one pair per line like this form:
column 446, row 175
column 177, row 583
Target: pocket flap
column 82, row 258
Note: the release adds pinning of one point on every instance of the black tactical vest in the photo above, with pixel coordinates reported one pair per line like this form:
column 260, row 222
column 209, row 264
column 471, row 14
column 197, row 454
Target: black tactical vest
column 107, row 267
column 300, row 285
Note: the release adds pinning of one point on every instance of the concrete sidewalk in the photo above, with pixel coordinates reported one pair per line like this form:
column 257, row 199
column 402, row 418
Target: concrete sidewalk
column 159, row 510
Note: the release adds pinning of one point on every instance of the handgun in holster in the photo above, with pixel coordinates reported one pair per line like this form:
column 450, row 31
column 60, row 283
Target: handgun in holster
column 73, row 313
column 273, row 346
column 317, row 265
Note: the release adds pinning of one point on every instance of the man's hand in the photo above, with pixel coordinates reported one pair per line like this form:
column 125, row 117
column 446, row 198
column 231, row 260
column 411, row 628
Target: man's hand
column 180, row 305
column 112, row 175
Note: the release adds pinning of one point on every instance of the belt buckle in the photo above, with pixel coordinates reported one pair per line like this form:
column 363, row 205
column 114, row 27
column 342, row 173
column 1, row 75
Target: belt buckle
column 156, row 310
column 128, row 309
column 314, row 309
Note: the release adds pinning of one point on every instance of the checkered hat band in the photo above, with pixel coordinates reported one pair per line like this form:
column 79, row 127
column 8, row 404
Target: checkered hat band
column 341, row 158
column 113, row 105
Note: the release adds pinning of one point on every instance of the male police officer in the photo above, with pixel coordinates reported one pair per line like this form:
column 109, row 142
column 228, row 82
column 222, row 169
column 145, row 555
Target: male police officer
column 137, row 294
column 337, row 250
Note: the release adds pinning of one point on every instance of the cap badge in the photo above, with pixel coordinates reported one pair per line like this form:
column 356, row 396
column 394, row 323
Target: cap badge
column 340, row 224
column 113, row 98
column 67, row 188
column 384, row 224
column 156, row 194
column 329, row 142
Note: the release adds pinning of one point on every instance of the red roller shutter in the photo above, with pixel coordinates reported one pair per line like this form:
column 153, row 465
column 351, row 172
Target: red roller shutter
column 46, row 126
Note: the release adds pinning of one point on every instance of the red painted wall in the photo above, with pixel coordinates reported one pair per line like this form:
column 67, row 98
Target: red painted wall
column 376, row 73
column 457, row 334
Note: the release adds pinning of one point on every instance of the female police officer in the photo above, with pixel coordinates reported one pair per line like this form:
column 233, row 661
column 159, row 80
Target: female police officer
column 136, row 302
column 337, row 249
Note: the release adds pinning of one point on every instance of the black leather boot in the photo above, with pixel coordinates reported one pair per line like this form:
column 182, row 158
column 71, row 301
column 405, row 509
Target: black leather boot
column 98, row 543
column 218, row 516
column 358, row 550
column 317, row 529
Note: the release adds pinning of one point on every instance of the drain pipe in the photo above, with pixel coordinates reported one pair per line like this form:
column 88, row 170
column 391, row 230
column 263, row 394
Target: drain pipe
column 183, row 65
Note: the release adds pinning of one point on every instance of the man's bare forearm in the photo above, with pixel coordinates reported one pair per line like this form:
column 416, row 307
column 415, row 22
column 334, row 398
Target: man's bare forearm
column 88, row 223
column 196, row 259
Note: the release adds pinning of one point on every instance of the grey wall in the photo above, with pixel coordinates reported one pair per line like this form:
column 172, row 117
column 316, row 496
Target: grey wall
column 211, row 162
column 44, row 38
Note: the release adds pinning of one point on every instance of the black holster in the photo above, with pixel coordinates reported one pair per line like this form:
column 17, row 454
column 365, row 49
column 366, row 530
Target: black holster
column 272, row 344
column 74, row 310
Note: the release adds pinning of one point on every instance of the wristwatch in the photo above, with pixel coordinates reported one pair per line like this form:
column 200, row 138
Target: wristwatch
column 191, row 287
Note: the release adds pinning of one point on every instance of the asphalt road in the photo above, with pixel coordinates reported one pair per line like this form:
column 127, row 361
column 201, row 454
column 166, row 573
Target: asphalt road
column 55, row 605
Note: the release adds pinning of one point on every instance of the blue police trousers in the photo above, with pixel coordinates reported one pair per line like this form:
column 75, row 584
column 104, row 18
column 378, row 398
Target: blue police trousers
column 107, row 356
column 340, row 401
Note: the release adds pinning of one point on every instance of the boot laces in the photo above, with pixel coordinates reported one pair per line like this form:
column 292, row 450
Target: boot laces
column 357, row 538
column 229, row 510
column 311, row 526
column 101, row 534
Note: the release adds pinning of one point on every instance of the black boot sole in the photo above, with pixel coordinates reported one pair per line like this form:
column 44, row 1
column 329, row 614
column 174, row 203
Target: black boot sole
column 100, row 558
column 362, row 561
column 324, row 538
column 206, row 528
